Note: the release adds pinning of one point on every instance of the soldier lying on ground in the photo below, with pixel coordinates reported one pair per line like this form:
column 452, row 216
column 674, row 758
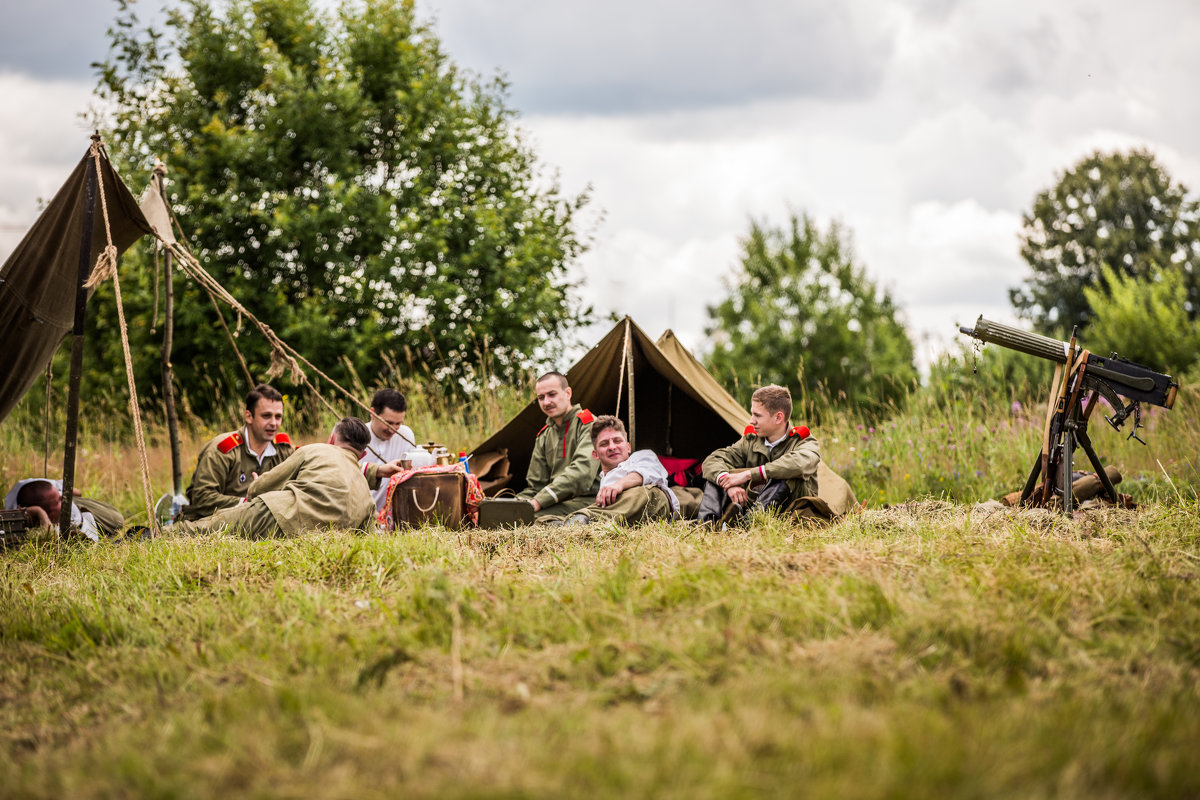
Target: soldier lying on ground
column 771, row 466
column 41, row 498
column 633, row 486
column 562, row 475
column 318, row 486
column 228, row 463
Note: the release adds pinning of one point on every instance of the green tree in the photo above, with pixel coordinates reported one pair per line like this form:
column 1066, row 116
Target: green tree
column 342, row 178
column 1143, row 320
column 802, row 314
column 1120, row 210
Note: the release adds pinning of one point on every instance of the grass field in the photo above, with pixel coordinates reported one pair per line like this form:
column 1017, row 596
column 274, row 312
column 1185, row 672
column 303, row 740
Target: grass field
column 926, row 647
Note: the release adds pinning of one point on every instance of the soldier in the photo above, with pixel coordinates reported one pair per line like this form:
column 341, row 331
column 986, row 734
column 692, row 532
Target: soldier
column 390, row 437
column 562, row 476
column 41, row 498
column 227, row 464
column 772, row 465
column 633, row 486
column 318, row 486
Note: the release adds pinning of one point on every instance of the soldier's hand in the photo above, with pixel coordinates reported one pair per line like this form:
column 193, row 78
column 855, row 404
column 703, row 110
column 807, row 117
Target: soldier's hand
column 253, row 477
column 37, row 517
column 536, row 505
column 389, row 469
column 731, row 479
column 607, row 495
column 738, row 495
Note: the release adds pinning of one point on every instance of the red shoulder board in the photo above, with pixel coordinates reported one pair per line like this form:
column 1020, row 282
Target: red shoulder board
column 585, row 417
column 750, row 431
column 542, row 430
column 282, row 438
column 800, row 430
column 229, row 442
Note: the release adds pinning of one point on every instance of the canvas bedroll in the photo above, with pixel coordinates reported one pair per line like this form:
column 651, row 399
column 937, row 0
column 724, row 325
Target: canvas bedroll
column 670, row 404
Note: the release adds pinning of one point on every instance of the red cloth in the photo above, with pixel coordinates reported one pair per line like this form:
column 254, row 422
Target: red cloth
column 678, row 468
column 474, row 491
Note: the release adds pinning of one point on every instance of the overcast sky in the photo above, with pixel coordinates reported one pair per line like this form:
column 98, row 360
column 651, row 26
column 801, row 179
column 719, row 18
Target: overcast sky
column 925, row 126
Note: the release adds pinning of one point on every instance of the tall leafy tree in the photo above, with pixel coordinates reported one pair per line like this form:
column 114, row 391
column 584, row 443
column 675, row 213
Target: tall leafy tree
column 341, row 177
column 1121, row 210
column 1144, row 320
column 803, row 314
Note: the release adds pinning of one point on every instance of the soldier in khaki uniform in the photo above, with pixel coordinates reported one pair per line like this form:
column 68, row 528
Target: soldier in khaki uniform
column 772, row 465
column 318, row 486
column 562, row 476
column 633, row 485
column 227, row 464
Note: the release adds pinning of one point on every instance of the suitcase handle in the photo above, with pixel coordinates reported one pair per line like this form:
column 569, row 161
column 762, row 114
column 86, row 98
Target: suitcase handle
column 437, row 491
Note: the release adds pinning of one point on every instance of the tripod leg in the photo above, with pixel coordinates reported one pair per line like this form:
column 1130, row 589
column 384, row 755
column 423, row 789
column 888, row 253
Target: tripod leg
column 1033, row 476
column 1086, row 442
column 1068, row 496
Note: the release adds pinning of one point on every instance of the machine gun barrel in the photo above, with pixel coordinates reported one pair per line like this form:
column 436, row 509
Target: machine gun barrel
column 1033, row 344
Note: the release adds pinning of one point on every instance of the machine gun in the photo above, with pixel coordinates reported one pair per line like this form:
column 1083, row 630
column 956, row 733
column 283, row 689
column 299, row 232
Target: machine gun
column 1079, row 372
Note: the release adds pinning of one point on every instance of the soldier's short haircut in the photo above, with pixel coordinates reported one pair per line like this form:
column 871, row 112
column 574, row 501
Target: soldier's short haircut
column 353, row 432
column 562, row 379
column 389, row 398
column 774, row 398
column 35, row 493
column 262, row 392
column 606, row 422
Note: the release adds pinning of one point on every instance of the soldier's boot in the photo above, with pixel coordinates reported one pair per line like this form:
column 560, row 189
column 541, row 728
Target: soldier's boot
column 775, row 495
column 715, row 506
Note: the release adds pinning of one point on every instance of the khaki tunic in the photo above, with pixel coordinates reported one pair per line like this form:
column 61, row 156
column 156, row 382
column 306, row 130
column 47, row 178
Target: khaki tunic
column 319, row 486
column 793, row 460
column 562, row 471
column 221, row 479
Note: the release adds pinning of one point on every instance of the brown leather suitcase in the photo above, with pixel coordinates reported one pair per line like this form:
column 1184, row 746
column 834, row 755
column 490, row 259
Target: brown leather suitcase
column 435, row 498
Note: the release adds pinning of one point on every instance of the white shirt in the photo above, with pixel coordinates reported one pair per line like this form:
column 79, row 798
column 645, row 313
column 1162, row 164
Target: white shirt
column 389, row 450
column 646, row 464
column 80, row 519
column 269, row 451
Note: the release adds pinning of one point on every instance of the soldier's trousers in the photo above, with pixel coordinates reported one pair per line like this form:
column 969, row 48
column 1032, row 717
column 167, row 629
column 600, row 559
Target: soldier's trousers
column 251, row 519
column 632, row 506
column 566, row 507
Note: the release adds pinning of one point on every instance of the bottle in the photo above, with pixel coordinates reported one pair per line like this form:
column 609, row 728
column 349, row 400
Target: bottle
column 462, row 459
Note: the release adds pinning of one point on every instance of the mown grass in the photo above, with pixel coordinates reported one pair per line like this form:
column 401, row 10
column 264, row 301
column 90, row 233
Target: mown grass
column 920, row 651
column 923, row 648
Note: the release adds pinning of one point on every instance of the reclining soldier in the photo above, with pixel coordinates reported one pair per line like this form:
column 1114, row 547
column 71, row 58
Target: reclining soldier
column 41, row 499
column 633, row 485
column 771, row 466
column 318, row 486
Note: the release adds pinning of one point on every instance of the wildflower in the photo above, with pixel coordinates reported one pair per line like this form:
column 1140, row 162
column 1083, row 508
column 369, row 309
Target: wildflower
column 1016, row 406
column 870, row 430
column 860, row 427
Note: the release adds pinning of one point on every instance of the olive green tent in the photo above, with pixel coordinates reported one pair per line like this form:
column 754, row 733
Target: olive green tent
column 668, row 401
column 38, row 282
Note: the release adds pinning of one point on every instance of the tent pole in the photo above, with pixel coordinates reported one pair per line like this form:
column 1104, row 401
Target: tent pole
column 168, row 378
column 85, row 257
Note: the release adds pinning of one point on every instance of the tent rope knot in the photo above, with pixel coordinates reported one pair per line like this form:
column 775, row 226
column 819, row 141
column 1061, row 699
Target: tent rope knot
column 106, row 267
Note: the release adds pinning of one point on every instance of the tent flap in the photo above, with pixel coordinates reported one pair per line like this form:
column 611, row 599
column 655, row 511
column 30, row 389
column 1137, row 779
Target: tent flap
column 37, row 282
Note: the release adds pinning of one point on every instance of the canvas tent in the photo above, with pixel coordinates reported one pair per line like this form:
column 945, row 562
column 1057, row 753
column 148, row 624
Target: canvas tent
column 668, row 400
column 38, row 281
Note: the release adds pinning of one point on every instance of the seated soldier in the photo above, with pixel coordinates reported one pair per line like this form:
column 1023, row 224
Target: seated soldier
column 772, row 465
column 390, row 437
column 318, row 486
column 228, row 463
column 633, row 486
column 562, row 475
column 42, row 499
